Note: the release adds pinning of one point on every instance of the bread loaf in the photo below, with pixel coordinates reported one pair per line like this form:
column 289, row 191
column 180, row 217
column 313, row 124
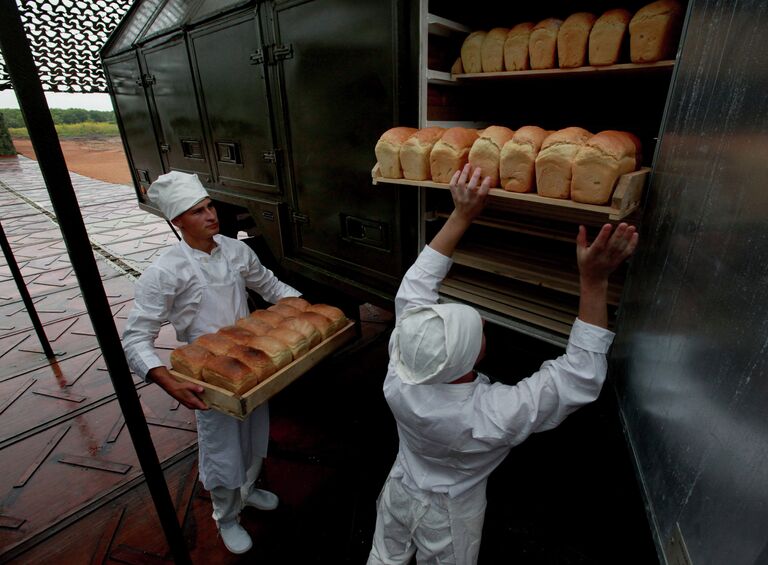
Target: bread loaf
column 276, row 350
column 517, row 164
column 295, row 302
column 654, row 31
column 451, row 153
column 305, row 328
column 236, row 333
column 486, row 151
column 388, row 151
column 255, row 359
column 215, row 343
column 414, row 154
column 607, row 37
column 457, row 68
column 554, row 161
column 321, row 323
column 335, row 315
column 471, row 58
column 267, row 316
column 296, row 342
column 516, row 47
column 229, row 373
column 284, row 310
column 573, row 39
column 599, row 164
column 189, row 360
column 542, row 45
column 492, row 50
column 256, row 327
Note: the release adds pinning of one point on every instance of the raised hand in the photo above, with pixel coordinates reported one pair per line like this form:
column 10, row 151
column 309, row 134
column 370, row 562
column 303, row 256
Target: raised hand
column 609, row 250
column 469, row 193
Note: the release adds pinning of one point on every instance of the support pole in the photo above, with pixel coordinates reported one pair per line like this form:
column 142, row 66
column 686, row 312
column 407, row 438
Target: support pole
column 24, row 292
column 29, row 91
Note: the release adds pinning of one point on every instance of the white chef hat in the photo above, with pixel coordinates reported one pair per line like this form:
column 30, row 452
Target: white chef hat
column 176, row 192
column 437, row 344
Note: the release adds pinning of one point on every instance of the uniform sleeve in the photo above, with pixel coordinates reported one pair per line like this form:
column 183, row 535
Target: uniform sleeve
column 262, row 280
column 545, row 399
column 153, row 300
column 421, row 281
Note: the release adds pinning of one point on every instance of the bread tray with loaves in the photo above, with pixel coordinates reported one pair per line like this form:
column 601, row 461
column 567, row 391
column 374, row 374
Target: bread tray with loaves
column 241, row 405
column 625, row 199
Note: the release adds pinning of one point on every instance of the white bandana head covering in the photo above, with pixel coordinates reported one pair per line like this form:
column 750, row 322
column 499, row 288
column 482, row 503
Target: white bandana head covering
column 176, row 192
column 437, row 344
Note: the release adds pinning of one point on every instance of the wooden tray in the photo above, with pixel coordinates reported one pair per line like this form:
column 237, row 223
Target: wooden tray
column 239, row 406
column 625, row 199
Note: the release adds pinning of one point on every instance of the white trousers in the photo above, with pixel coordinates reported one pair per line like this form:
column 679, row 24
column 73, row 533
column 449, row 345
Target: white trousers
column 227, row 503
column 439, row 530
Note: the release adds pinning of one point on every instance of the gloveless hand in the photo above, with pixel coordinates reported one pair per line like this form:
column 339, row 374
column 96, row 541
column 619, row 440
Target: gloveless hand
column 469, row 194
column 609, row 250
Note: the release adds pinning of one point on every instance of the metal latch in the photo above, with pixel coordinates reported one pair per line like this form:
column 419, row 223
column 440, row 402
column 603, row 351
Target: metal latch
column 165, row 148
column 282, row 52
column 145, row 80
column 257, row 57
column 298, row 218
column 270, row 156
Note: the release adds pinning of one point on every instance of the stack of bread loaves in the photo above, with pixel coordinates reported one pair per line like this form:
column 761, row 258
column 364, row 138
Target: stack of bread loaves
column 579, row 40
column 240, row 356
column 570, row 163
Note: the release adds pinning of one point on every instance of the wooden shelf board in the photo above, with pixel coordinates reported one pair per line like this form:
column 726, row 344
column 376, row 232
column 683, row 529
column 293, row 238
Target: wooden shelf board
column 622, row 68
column 540, row 271
column 521, row 227
column 507, row 308
column 625, row 200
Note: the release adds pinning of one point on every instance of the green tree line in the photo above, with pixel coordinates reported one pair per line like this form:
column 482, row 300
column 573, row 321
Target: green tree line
column 13, row 117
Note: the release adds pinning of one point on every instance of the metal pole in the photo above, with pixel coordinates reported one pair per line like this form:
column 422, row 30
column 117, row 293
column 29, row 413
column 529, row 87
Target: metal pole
column 20, row 284
column 34, row 108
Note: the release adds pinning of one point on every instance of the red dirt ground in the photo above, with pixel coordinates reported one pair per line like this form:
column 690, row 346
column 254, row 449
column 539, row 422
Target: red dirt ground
column 100, row 158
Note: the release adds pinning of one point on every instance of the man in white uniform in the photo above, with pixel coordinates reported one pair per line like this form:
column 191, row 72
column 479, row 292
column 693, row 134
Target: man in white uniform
column 199, row 285
column 455, row 427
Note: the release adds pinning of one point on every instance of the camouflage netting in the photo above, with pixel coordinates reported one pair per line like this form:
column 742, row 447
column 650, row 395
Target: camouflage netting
column 66, row 36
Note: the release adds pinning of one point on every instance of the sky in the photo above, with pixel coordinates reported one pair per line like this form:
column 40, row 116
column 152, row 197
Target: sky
column 62, row 100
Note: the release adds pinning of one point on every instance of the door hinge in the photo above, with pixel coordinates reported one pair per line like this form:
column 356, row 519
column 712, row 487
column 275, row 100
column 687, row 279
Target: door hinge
column 145, row 80
column 298, row 218
column 257, row 57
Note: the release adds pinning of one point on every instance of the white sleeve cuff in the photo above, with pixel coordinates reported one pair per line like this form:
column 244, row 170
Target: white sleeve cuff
column 590, row 337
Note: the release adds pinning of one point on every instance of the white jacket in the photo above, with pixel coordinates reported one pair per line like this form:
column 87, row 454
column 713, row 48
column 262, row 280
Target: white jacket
column 452, row 436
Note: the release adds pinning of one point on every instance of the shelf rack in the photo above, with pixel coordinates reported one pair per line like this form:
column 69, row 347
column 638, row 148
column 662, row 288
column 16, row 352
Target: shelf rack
column 625, row 200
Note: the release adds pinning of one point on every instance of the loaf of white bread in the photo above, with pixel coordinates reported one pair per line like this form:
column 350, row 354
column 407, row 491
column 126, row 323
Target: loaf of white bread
column 654, row 31
column 471, row 52
column 555, row 160
column 451, row 153
column 388, row 151
column 569, row 163
column 517, row 164
column 492, row 50
column 516, row 47
column 415, row 152
column 573, row 39
column 599, row 163
column 486, row 152
column 608, row 36
column 542, row 45
column 237, row 359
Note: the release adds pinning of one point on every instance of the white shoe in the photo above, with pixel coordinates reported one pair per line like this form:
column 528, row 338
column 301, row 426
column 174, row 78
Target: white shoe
column 262, row 499
column 235, row 538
